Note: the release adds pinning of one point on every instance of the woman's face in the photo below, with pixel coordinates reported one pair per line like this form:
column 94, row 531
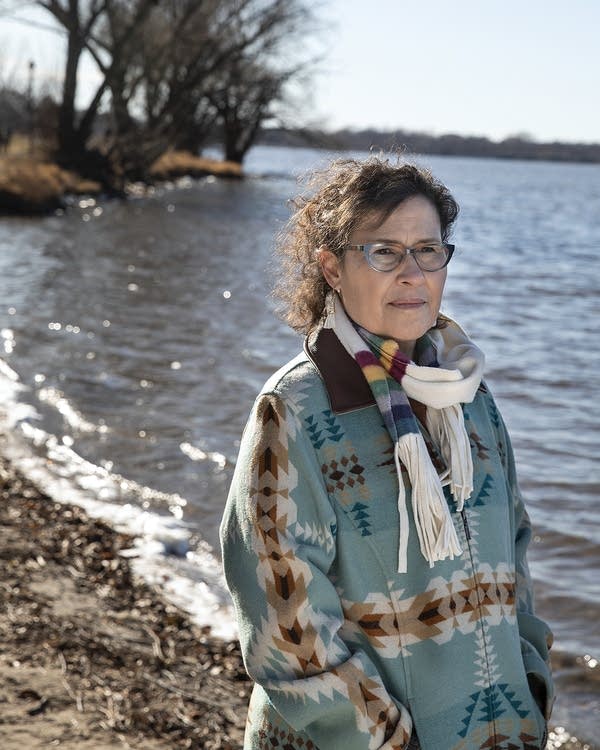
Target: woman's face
column 401, row 304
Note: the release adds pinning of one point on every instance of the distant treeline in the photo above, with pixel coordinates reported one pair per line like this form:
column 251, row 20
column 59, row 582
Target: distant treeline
column 422, row 143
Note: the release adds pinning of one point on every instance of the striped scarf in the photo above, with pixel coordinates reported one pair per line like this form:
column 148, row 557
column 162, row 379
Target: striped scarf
column 448, row 374
column 384, row 365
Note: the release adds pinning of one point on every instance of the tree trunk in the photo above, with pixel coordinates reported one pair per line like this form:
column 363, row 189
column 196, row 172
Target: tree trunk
column 230, row 147
column 68, row 137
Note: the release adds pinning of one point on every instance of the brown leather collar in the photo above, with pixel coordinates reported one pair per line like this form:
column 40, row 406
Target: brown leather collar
column 345, row 383
column 344, row 380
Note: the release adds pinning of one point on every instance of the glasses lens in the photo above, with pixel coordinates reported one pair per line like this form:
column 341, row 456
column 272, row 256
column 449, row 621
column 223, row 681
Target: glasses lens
column 431, row 257
column 383, row 257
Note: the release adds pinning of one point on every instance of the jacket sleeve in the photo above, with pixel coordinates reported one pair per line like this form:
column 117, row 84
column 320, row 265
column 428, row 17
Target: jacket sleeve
column 278, row 542
column 536, row 636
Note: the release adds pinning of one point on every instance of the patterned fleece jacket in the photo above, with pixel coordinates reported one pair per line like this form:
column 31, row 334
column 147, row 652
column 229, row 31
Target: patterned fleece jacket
column 345, row 652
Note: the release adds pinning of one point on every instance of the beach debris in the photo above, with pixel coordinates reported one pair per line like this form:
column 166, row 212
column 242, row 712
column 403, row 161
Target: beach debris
column 127, row 660
column 32, row 695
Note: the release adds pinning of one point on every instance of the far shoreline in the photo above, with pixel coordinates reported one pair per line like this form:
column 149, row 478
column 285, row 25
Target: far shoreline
column 515, row 148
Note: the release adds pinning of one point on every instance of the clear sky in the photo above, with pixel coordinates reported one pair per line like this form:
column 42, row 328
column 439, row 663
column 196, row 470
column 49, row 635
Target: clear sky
column 484, row 67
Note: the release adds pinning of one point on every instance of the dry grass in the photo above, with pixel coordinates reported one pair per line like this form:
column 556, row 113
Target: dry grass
column 31, row 183
column 23, row 146
column 173, row 164
column 25, row 181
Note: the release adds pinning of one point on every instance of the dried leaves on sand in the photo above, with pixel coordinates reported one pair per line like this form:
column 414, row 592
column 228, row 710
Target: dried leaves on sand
column 120, row 661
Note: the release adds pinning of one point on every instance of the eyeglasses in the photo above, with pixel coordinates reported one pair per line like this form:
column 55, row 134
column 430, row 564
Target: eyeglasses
column 386, row 256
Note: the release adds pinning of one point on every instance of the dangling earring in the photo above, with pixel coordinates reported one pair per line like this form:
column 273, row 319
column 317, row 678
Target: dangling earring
column 329, row 310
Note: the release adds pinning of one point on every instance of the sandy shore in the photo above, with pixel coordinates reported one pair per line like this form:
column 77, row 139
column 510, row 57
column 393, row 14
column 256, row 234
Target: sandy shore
column 92, row 659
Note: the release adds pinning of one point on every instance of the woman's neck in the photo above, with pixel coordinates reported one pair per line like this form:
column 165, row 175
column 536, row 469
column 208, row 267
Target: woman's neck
column 407, row 347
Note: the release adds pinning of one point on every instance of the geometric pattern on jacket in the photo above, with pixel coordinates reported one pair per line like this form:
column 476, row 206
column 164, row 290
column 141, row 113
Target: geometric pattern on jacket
column 444, row 608
column 345, row 652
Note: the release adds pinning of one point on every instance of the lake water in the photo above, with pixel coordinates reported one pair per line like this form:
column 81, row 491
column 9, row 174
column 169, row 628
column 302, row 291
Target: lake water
column 136, row 335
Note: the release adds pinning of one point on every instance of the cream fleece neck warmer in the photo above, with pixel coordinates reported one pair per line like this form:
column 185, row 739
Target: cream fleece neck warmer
column 448, row 374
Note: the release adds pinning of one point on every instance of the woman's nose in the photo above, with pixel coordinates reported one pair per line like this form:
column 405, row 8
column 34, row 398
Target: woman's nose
column 408, row 271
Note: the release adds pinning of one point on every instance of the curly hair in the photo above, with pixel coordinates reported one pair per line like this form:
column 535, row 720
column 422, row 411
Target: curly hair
column 344, row 195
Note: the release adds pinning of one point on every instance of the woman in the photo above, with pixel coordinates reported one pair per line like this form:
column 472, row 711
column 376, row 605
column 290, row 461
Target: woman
column 374, row 537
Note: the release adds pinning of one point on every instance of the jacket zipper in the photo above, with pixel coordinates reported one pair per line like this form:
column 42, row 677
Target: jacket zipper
column 465, row 520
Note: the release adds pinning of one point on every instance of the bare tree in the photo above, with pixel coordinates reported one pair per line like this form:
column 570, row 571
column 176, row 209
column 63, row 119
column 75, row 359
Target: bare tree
column 78, row 19
column 243, row 102
column 170, row 70
column 82, row 20
column 196, row 64
column 253, row 83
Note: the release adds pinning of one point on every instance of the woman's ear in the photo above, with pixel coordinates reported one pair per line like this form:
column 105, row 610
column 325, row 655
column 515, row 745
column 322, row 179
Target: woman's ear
column 331, row 267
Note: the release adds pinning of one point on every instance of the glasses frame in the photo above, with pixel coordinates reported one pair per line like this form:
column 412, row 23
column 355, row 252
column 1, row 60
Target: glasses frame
column 365, row 249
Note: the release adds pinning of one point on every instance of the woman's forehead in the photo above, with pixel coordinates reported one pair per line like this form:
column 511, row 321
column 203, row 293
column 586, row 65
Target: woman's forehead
column 417, row 209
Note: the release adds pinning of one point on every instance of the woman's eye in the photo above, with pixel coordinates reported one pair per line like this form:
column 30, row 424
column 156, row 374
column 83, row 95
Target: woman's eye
column 382, row 250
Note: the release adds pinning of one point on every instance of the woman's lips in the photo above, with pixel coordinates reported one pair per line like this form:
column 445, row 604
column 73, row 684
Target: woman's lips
column 408, row 304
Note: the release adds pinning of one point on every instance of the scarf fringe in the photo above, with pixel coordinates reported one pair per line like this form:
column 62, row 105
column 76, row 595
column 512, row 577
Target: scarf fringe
column 447, row 429
column 403, row 520
column 437, row 536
